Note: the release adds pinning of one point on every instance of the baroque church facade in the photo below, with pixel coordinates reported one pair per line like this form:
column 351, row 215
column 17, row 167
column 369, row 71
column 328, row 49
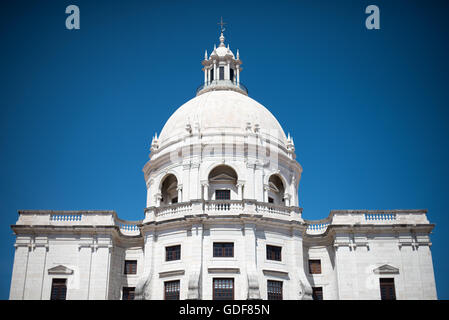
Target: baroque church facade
column 222, row 221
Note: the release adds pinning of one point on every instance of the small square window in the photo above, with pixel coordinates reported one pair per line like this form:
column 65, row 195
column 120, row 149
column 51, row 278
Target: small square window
column 274, row 253
column 317, row 293
column 223, row 249
column 130, row 266
column 223, row 289
column 173, row 253
column 274, row 290
column 128, row 293
column 222, row 194
column 314, row 266
column 171, row 290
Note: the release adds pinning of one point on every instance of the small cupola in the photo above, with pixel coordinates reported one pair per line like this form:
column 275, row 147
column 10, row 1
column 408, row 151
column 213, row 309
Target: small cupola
column 221, row 68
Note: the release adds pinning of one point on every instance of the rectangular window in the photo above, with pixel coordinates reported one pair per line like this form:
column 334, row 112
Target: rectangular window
column 130, row 266
column 171, row 290
column 314, row 266
column 128, row 293
column 274, row 290
column 222, row 194
column 223, row 249
column 231, row 76
column 211, row 75
column 270, row 200
column 58, row 289
column 274, row 253
column 221, row 73
column 223, row 289
column 387, row 291
column 173, row 253
column 317, row 293
column 174, row 200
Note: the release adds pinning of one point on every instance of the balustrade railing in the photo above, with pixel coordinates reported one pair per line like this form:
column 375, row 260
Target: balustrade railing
column 381, row 217
column 269, row 208
column 317, row 228
column 173, row 209
column 65, row 217
column 223, row 205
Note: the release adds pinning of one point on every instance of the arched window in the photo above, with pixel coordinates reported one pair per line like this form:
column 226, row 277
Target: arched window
column 169, row 190
column 222, row 184
column 276, row 191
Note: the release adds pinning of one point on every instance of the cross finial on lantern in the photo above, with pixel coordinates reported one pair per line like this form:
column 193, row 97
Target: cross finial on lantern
column 221, row 23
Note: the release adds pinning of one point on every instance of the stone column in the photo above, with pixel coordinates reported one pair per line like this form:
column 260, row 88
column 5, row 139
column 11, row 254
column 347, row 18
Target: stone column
column 238, row 74
column 19, row 270
column 300, row 283
column 101, row 258
column 143, row 287
column 196, row 260
column 179, row 189
column 205, row 185
column 253, row 292
column 186, row 181
column 265, row 192
column 158, row 199
column 240, row 185
column 85, row 252
column 36, row 268
column 287, row 199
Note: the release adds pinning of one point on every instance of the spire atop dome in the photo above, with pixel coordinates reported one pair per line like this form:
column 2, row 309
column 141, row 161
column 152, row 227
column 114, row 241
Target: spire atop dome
column 221, row 23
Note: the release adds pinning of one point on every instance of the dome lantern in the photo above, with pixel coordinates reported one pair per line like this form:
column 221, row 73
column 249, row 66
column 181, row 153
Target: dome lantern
column 222, row 69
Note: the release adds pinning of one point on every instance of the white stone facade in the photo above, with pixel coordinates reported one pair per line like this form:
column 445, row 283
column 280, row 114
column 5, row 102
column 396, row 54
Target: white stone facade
column 223, row 171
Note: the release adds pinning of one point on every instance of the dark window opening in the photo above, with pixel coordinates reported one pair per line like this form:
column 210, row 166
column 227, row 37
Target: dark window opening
column 232, row 74
column 211, row 75
column 130, row 267
column 223, row 249
column 171, row 290
column 314, row 266
column 221, row 73
column 222, row 194
column 387, row 291
column 173, row 253
column 128, row 293
column 274, row 290
column 274, row 253
column 223, row 289
column 270, row 200
column 174, row 200
column 58, row 289
column 317, row 293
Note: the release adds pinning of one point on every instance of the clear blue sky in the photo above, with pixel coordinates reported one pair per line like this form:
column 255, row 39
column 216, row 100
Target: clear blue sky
column 368, row 110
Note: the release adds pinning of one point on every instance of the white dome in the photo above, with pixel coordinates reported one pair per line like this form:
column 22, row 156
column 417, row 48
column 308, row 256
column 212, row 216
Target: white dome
column 222, row 51
column 224, row 111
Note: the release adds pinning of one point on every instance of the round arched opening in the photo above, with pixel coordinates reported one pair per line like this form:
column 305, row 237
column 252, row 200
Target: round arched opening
column 276, row 190
column 222, row 184
column 169, row 190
